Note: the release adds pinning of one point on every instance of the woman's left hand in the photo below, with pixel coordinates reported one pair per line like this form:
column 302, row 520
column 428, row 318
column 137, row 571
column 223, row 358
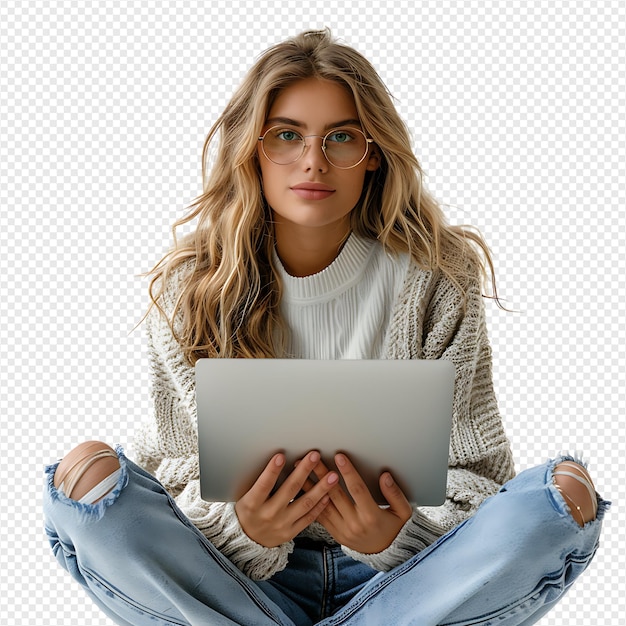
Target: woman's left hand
column 357, row 522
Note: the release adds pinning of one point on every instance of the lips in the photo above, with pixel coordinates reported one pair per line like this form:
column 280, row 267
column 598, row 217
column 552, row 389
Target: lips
column 312, row 191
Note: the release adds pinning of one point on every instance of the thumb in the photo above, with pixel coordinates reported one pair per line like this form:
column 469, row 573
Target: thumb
column 398, row 504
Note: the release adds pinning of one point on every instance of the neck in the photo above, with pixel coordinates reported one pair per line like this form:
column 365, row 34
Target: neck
column 307, row 251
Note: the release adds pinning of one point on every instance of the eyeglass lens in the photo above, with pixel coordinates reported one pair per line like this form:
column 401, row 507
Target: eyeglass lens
column 343, row 147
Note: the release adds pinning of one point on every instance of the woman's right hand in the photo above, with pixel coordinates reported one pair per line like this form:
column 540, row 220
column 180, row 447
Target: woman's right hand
column 272, row 519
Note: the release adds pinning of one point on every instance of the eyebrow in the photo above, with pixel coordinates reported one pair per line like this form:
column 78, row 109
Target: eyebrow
column 290, row 122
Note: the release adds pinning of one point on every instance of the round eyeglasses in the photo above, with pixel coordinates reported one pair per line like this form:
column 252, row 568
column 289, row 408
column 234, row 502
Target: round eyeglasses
column 344, row 148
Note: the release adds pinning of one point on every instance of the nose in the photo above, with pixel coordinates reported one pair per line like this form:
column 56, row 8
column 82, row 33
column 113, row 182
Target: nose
column 314, row 158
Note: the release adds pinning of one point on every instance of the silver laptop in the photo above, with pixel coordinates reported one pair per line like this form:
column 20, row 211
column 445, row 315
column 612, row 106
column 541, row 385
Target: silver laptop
column 384, row 414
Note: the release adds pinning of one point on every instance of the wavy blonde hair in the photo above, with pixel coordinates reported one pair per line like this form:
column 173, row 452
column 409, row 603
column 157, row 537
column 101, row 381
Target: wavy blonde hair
column 228, row 305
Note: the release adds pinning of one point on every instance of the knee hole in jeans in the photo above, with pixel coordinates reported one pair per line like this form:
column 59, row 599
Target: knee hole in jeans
column 87, row 471
column 575, row 485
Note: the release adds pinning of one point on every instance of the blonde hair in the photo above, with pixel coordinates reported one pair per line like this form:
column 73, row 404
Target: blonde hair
column 228, row 305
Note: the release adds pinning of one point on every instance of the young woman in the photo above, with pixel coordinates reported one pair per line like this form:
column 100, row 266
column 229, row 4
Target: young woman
column 316, row 239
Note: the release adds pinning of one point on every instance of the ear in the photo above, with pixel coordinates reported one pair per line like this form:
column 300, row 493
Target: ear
column 373, row 159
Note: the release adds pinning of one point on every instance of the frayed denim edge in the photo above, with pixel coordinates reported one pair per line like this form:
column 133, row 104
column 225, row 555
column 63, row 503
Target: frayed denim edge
column 89, row 512
column 603, row 505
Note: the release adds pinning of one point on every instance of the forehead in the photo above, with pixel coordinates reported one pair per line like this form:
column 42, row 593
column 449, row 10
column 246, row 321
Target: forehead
column 314, row 103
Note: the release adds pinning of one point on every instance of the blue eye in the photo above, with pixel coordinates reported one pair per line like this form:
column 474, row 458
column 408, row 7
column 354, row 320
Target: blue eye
column 288, row 135
column 340, row 136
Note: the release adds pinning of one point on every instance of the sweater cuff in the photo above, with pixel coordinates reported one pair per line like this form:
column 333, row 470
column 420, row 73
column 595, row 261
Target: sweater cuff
column 418, row 533
column 254, row 560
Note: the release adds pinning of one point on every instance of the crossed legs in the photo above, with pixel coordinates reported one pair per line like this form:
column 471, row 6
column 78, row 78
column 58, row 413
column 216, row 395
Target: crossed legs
column 83, row 472
column 91, row 463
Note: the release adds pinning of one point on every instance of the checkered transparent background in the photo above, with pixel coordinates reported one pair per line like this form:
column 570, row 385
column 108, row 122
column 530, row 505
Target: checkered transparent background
column 517, row 111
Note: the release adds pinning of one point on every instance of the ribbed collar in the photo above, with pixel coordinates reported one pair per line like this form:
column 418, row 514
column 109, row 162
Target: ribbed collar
column 340, row 275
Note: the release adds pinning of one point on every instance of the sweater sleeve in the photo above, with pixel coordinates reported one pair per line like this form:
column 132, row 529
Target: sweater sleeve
column 167, row 447
column 432, row 323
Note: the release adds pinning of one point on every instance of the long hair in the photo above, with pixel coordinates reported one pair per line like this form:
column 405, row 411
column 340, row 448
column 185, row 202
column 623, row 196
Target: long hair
column 229, row 301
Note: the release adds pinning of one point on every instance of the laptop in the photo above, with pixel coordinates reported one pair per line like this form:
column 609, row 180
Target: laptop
column 383, row 414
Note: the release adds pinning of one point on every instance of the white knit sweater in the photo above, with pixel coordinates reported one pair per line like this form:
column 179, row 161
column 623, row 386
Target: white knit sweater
column 365, row 305
column 343, row 311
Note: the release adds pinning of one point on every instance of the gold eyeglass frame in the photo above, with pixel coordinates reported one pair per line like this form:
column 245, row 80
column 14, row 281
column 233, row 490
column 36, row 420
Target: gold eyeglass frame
column 368, row 141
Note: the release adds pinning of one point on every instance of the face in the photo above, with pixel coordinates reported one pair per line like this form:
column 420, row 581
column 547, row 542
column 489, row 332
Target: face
column 311, row 194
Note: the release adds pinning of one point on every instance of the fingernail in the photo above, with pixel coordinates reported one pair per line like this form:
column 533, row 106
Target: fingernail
column 314, row 457
column 389, row 480
column 279, row 460
column 332, row 478
column 340, row 459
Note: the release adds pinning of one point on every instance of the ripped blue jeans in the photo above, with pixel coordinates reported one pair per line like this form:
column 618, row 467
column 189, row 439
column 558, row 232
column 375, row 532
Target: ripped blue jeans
column 142, row 562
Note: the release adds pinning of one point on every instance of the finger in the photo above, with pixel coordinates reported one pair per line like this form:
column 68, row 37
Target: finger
column 265, row 483
column 329, row 516
column 342, row 507
column 337, row 493
column 294, row 482
column 321, row 466
column 303, row 506
column 354, row 483
column 319, row 471
column 310, row 515
column 308, row 485
column 395, row 497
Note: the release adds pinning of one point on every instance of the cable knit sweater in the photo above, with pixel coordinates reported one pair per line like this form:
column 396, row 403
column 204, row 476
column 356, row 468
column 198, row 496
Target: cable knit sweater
column 426, row 321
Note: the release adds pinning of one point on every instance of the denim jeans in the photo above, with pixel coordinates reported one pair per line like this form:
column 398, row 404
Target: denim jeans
column 141, row 560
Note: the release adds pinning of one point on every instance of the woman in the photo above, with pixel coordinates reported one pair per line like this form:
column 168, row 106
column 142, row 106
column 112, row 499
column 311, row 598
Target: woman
column 316, row 239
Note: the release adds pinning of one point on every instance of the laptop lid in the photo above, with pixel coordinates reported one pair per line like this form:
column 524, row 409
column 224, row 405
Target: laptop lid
column 384, row 414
